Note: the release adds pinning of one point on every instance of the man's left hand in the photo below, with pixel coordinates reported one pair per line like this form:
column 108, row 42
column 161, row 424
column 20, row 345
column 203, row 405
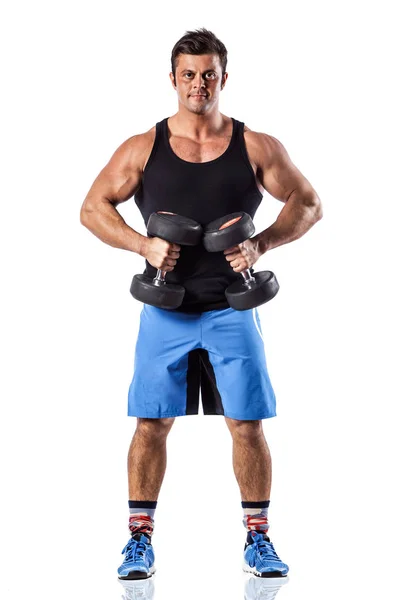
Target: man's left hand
column 244, row 255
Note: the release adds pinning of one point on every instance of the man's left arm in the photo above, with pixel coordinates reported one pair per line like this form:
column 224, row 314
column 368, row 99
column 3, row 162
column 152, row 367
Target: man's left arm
column 283, row 180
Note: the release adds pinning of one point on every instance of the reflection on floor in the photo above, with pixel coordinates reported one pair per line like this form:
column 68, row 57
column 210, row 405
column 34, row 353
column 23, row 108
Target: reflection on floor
column 138, row 588
column 255, row 588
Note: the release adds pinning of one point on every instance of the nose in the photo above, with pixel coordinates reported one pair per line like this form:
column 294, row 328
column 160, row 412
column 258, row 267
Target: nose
column 199, row 83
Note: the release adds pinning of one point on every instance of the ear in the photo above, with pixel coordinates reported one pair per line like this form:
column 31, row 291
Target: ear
column 223, row 82
column 171, row 76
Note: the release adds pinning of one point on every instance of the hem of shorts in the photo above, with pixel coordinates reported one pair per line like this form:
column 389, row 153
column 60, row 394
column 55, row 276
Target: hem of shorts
column 214, row 414
column 164, row 416
column 241, row 418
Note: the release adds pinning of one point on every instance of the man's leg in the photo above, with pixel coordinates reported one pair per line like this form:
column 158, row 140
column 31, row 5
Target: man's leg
column 147, row 461
column 147, row 458
column 251, row 459
column 253, row 471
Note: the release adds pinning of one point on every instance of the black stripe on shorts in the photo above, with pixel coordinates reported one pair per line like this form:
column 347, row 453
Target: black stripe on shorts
column 201, row 377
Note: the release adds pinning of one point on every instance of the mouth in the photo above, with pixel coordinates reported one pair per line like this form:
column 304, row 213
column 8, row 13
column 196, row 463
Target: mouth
column 198, row 96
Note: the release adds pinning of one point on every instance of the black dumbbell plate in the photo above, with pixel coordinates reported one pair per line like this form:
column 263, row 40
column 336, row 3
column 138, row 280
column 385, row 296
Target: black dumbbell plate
column 216, row 239
column 166, row 295
column 242, row 297
column 174, row 228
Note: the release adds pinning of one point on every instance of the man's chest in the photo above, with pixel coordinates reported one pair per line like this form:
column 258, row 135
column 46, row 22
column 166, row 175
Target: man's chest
column 194, row 152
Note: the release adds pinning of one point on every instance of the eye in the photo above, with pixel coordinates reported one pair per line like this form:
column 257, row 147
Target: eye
column 209, row 75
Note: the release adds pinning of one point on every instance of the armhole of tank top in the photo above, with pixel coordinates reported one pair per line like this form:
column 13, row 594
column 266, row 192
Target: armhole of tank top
column 150, row 159
column 245, row 155
column 153, row 150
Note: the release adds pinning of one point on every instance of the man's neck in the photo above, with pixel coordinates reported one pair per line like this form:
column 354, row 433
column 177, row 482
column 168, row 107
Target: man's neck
column 197, row 126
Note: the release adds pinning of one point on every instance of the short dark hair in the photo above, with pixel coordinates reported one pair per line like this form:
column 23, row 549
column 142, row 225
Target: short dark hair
column 200, row 41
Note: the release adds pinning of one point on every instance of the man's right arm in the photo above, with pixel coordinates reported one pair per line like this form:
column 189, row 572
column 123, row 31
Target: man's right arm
column 117, row 182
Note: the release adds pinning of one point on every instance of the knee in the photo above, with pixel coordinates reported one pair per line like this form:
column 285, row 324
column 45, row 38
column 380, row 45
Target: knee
column 154, row 429
column 245, row 430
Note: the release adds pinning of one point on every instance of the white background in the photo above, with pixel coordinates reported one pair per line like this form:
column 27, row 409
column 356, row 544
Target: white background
column 78, row 79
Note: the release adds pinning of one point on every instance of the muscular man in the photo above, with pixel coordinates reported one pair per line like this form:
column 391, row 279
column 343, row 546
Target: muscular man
column 201, row 164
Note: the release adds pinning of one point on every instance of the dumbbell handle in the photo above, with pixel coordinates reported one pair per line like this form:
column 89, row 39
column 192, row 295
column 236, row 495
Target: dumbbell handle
column 159, row 279
column 248, row 278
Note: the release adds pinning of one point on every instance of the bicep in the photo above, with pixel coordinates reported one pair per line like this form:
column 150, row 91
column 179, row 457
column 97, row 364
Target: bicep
column 279, row 176
column 120, row 178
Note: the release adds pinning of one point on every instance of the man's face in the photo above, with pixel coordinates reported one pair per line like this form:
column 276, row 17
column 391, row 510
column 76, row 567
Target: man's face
column 198, row 81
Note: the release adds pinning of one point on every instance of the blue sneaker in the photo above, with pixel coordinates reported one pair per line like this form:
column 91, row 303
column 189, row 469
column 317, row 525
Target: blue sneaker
column 260, row 557
column 139, row 558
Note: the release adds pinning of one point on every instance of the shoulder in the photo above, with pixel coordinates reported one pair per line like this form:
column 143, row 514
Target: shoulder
column 262, row 147
column 136, row 149
column 141, row 143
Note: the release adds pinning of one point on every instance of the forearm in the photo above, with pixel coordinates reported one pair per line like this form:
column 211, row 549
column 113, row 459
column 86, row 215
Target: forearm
column 106, row 223
column 298, row 215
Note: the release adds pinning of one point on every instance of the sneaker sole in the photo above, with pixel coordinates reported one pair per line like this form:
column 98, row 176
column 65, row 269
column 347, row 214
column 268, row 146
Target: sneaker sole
column 268, row 574
column 139, row 574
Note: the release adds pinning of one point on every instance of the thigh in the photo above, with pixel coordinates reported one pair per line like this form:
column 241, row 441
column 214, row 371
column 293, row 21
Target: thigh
column 164, row 377
column 237, row 363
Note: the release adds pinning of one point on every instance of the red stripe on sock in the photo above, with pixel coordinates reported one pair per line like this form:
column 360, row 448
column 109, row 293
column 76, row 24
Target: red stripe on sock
column 256, row 522
column 141, row 523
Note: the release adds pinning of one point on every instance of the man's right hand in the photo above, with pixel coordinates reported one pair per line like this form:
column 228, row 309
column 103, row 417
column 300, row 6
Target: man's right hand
column 160, row 253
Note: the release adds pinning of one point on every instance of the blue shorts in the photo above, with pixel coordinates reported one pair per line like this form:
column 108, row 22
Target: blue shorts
column 218, row 352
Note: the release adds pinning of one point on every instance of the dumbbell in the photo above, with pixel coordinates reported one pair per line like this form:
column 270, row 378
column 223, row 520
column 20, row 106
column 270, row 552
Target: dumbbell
column 175, row 229
column 229, row 231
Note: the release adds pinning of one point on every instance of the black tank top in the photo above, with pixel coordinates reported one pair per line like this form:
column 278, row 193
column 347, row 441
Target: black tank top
column 203, row 192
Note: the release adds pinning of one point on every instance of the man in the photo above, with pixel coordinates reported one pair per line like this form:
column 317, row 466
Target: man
column 203, row 165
